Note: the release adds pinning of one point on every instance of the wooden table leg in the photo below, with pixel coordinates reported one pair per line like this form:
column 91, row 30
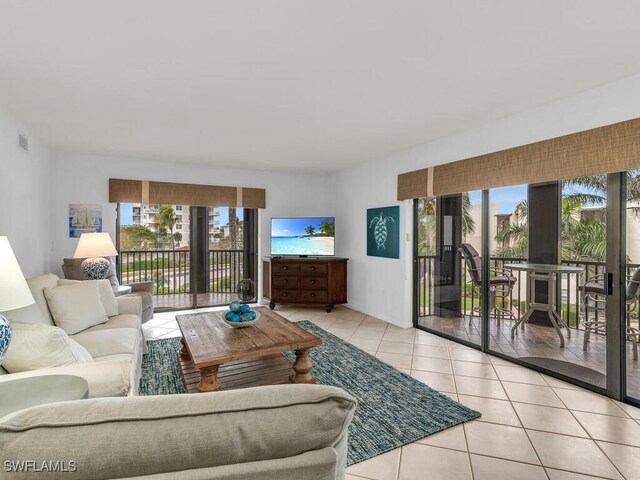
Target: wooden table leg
column 184, row 353
column 209, row 379
column 302, row 367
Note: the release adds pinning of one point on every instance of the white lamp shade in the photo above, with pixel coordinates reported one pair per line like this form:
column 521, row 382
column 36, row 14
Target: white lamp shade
column 95, row 245
column 14, row 291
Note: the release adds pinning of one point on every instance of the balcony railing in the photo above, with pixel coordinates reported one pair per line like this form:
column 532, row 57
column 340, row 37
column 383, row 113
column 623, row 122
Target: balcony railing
column 170, row 270
column 569, row 290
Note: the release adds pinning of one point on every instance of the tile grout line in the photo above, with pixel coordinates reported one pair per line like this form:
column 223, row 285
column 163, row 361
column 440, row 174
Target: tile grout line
column 594, row 440
column 464, row 430
column 523, row 428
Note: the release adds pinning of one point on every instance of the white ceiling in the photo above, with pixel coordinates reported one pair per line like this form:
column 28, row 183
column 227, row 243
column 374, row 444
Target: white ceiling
column 296, row 85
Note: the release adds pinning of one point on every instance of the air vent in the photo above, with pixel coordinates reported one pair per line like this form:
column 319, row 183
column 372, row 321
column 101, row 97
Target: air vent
column 23, row 142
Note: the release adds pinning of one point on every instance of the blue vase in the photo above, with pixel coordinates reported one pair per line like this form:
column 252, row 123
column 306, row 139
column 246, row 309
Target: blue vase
column 5, row 336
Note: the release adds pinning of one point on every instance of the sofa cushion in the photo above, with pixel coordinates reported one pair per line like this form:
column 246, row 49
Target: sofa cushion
column 75, row 307
column 30, row 314
column 39, row 311
column 110, row 341
column 147, row 435
column 107, row 297
column 34, row 347
column 105, row 379
column 125, row 320
column 115, row 358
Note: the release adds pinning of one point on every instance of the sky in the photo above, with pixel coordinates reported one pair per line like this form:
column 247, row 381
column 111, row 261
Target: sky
column 506, row 198
column 289, row 227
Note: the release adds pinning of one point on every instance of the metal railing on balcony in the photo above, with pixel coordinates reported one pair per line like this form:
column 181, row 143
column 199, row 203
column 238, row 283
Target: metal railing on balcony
column 569, row 290
column 170, row 270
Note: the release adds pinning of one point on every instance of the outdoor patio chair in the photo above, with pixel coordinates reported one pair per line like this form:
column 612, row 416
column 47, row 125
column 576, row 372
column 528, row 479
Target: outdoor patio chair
column 501, row 283
column 594, row 299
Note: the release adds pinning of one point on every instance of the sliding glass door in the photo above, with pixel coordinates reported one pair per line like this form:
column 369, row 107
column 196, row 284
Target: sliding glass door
column 558, row 282
column 193, row 256
column 448, row 285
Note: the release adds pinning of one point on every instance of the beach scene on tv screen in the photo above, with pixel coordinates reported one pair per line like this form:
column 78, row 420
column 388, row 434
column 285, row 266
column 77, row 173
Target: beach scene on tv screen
column 303, row 236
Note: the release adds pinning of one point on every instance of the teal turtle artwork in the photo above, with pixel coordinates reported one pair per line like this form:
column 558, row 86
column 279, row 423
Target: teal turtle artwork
column 383, row 232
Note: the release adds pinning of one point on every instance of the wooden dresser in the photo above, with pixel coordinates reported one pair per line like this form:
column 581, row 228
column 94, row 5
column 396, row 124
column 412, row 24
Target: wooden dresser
column 314, row 281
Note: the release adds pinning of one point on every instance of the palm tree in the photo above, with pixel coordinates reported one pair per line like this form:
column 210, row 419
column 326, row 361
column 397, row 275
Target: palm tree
column 427, row 223
column 584, row 237
column 592, row 190
column 310, row 230
column 514, row 235
column 165, row 219
column 233, row 228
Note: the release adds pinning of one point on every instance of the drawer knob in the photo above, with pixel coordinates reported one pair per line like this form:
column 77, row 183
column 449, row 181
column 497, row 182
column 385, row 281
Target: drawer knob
column 285, row 281
column 313, row 295
column 313, row 268
column 313, row 282
column 285, row 268
column 285, row 294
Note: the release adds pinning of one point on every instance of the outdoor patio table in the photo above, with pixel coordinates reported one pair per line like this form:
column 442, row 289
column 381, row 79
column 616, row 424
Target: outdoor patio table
column 547, row 273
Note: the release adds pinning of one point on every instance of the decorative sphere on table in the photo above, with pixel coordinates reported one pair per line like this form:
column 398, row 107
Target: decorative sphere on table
column 5, row 336
column 95, row 268
column 235, row 306
column 244, row 308
column 246, row 317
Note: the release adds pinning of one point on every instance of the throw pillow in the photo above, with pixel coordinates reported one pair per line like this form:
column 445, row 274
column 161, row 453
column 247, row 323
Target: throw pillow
column 35, row 346
column 75, row 307
column 105, row 289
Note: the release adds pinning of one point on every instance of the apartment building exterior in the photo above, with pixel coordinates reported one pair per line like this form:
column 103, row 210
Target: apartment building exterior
column 143, row 214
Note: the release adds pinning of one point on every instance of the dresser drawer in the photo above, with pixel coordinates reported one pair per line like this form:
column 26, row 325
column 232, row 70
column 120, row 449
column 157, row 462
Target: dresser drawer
column 282, row 295
column 313, row 268
column 313, row 296
column 286, row 281
column 315, row 283
column 285, row 268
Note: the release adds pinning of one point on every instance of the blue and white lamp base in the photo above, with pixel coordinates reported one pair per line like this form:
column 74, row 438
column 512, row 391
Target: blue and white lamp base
column 5, row 336
column 95, row 268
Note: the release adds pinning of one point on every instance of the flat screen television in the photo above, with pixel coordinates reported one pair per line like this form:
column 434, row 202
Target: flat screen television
column 303, row 236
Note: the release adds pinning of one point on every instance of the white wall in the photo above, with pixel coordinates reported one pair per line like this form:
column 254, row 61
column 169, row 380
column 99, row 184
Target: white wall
column 24, row 196
column 85, row 178
column 383, row 287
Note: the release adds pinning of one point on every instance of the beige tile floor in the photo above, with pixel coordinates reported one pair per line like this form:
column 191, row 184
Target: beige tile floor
column 532, row 426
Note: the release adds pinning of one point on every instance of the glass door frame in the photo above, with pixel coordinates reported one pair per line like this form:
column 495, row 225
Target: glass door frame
column 616, row 307
column 484, row 292
column 250, row 253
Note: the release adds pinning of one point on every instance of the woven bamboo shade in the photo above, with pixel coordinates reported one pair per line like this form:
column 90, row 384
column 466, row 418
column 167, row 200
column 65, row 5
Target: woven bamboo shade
column 608, row 149
column 125, row 191
column 142, row 191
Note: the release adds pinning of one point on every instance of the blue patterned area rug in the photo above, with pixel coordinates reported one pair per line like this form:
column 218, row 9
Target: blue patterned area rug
column 394, row 409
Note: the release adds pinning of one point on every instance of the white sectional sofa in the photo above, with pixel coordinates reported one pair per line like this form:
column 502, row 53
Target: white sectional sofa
column 116, row 345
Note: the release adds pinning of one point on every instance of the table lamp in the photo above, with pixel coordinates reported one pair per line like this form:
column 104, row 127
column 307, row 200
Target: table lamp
column 93, row 247
column 14, row 291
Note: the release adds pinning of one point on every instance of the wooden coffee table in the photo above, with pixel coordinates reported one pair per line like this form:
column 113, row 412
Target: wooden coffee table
column 216, row 356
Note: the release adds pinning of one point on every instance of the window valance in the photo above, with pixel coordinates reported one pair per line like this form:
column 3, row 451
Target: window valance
column 608, row 149
column 149, row 192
